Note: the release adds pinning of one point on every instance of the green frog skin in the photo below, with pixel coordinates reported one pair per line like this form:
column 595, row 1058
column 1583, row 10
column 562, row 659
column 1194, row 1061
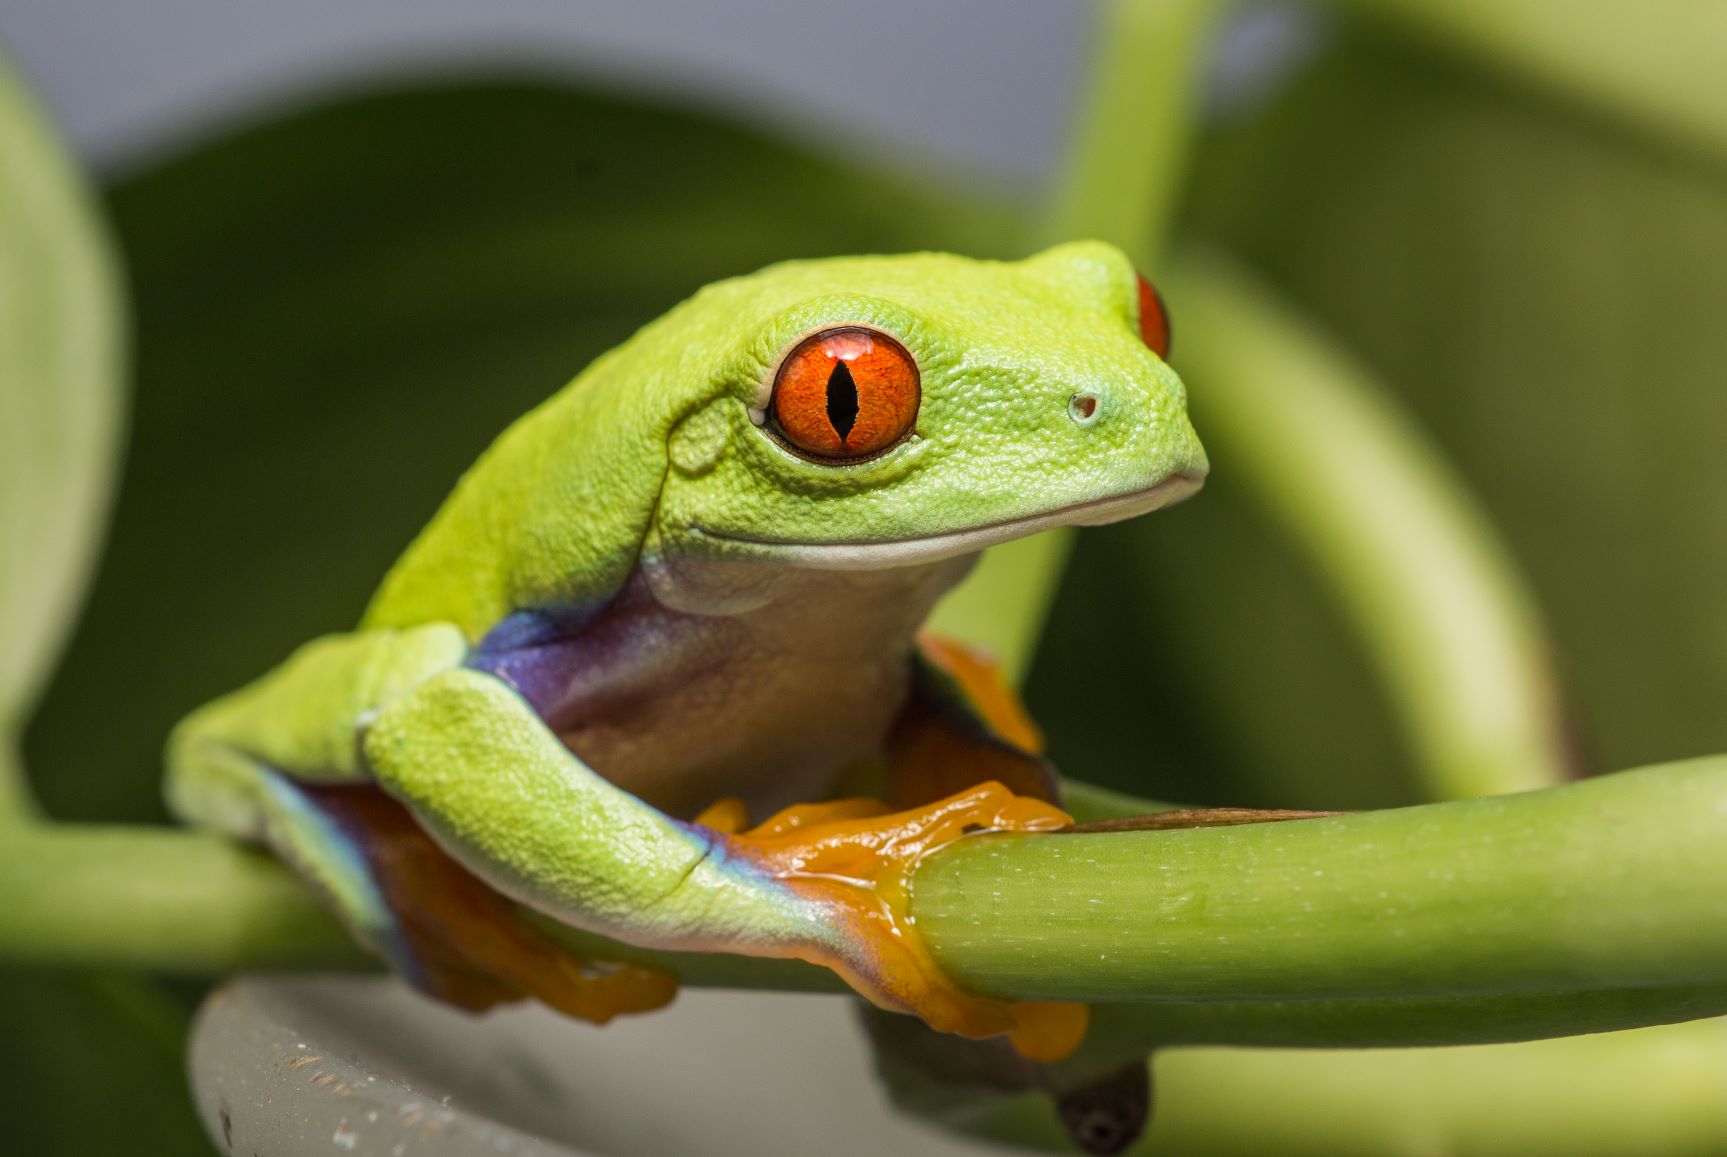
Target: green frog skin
column 686, row 591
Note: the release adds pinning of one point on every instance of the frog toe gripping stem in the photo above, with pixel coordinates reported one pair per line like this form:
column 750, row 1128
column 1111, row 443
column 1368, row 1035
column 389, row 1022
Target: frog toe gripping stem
column 854, row 860
column 458, row 940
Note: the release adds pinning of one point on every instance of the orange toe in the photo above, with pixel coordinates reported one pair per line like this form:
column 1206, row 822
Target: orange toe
column 460, row 941
column 728, row 815
column 857, row 859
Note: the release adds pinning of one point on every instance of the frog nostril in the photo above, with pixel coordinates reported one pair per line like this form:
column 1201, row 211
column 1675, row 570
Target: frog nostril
column 1083, row 407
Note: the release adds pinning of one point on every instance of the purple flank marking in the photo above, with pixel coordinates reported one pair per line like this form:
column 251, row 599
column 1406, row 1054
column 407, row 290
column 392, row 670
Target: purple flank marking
column 590, row 662
column 542, row 654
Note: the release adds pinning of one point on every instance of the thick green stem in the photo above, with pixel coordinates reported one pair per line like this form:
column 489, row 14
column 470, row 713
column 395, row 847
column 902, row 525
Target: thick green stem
column 1611, row 883
column 1126, row 1029
column 1123, row 176
column 1653, row 1093
column 1430, row 589
column 157, row 899
column 1136, row 125
column 17, row 805
column 1577, row 909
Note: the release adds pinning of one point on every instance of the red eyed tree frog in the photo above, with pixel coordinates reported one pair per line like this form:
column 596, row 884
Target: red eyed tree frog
column 654, row 670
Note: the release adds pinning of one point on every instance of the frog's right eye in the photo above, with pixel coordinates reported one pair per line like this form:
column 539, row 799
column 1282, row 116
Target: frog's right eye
column 1153, row 319
column 845, row 394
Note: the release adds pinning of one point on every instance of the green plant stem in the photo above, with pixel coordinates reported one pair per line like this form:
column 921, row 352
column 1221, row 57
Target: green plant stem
column 1002, row 605
column 1136, row 126
column 160, row 900
column 1577, row 909
column 1656, row 64
column 1652, row 1093
column 1429, row 588
column 1611, row 883
column 1124, row 173
column 1126, row 1029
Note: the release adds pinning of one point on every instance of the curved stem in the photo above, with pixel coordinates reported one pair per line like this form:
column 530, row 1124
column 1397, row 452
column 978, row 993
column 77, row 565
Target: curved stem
column 1136, row 125
column 1430, row 589
column 1610, row 883
column 1653, row 1093
column 1124, row 173
column 61, row 384
column 1575, row 909
column 160, row 900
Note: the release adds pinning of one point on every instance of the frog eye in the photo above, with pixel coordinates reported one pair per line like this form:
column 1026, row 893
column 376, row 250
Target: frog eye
column 1153, row 320
column 846, row 393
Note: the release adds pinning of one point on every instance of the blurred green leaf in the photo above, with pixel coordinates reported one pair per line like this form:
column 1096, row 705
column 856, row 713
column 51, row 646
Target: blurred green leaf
column 1544, row 291
column 339, row 309
column 60, row 397
column 1406, row 554
column 91, row 1064
column 1547, row 294
column 1656, row 64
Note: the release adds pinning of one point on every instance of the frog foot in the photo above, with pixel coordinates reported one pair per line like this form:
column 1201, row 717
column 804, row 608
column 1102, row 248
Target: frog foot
column 855, row 859
column 504, row 959
column 456, row 939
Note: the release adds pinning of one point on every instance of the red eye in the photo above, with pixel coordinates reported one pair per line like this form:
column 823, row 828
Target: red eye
column 846, row 393
column 1153, row 320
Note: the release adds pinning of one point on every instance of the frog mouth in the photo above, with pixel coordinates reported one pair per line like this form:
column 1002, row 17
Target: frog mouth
column 928, row 548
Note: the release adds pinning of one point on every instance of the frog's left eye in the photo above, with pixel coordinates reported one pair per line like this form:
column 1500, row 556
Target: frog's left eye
column 846, row 393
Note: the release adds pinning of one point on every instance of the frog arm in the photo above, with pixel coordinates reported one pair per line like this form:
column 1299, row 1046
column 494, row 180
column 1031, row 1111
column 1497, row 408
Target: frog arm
column 827, row 883
column 277, row 763
column 242, row 763
column 499, row 792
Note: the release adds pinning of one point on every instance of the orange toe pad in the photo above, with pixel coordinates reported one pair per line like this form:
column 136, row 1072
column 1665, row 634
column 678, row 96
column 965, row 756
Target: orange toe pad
column 857, row 859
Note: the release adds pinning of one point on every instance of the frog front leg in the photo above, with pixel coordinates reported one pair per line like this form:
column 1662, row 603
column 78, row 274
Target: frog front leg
column 277, row 763
column 827, row 883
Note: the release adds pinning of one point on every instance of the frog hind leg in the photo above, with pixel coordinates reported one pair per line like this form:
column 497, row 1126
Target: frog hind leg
column 961, row 725
column 481, row 772
column 439, row 927
column 959, row 759
column 963, row 722
column 459, row 940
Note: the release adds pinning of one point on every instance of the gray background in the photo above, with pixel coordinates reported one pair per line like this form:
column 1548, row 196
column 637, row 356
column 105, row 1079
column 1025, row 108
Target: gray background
column 979, row 86
column 985, row 84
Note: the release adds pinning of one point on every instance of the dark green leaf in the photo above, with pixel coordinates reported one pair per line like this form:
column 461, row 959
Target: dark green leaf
column 1547, row 293
column 338, row 310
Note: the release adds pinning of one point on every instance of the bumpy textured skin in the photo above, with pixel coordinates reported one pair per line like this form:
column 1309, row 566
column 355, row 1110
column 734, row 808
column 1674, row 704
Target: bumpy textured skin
column 652, row 471
column 655, row 438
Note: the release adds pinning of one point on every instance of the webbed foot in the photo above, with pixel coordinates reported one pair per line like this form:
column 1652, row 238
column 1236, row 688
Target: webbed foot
column 855, row 858
column 456, row 939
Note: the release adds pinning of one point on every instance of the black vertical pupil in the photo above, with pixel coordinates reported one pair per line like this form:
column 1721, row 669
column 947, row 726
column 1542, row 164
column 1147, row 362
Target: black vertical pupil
column 842, row 400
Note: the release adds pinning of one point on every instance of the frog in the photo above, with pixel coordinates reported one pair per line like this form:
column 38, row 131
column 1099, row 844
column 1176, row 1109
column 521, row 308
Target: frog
column 657, row 668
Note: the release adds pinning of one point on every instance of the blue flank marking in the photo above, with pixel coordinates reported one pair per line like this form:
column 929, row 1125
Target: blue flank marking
column 524, row 629
column 717, row 850
column 319, row 829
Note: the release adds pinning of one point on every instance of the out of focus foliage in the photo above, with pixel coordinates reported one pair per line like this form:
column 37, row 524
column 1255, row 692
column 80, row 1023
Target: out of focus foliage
column 336, row 310
column 1543, row 288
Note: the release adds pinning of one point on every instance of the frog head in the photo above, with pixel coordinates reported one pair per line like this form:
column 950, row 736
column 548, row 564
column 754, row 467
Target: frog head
column 890, row 412
column 884, row 418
